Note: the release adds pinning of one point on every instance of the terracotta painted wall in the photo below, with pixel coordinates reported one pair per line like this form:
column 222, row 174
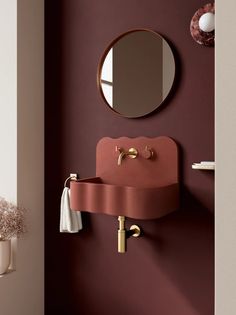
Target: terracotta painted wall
column 171, row 269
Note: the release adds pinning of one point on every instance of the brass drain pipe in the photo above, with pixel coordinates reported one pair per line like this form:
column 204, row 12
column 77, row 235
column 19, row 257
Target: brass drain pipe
column 123, row 235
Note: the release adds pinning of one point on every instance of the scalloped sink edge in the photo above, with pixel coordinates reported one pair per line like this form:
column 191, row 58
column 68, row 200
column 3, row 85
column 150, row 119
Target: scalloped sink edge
column 92, row 195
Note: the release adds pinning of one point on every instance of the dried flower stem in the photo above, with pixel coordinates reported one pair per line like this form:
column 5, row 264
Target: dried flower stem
column 11, row 220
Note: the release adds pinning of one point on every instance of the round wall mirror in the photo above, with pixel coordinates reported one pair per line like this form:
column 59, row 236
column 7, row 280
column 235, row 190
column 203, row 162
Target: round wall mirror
column 136, row 73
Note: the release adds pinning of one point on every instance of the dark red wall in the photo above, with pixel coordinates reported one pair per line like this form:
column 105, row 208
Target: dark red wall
column 170, row 270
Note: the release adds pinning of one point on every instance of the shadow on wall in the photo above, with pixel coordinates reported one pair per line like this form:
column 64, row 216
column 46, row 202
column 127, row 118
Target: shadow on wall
column 176, row 243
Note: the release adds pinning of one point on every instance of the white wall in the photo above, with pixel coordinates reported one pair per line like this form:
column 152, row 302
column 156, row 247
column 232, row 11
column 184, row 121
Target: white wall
column 225, row 157
column 22, row 147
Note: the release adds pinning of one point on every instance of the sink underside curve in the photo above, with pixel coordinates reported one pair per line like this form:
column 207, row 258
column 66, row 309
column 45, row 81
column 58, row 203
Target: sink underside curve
column 134, row 202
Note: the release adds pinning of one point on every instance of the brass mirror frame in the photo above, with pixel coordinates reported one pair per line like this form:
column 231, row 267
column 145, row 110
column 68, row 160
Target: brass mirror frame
column 101, row 62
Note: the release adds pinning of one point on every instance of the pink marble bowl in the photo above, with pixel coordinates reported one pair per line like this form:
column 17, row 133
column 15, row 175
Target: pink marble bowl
column 202, row 38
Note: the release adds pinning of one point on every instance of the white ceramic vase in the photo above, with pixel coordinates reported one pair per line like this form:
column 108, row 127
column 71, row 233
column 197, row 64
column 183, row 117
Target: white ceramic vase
column 5, row 255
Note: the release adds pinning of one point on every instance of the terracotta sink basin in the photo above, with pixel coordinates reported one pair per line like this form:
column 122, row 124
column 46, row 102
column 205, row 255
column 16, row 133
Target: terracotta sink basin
column 94, row 195
column 141, row 188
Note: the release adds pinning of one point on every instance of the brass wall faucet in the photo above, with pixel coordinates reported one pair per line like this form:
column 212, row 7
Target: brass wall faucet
column 123, row 234
column 131, row 153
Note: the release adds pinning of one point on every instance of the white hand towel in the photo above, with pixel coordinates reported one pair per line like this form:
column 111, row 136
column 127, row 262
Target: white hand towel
column 70, row 220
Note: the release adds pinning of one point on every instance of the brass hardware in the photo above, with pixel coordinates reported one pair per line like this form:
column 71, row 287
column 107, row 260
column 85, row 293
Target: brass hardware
column 72, row 176
column 136, row 229
column 132, row 153
column 120, row 157
column 123, row 235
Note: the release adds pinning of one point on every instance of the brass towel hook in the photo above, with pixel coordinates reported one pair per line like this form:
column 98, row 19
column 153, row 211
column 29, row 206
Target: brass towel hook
column 72, row 176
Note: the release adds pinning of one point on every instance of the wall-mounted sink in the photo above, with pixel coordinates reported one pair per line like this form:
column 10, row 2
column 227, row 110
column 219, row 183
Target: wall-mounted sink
column 95, row 195
column 136, row 178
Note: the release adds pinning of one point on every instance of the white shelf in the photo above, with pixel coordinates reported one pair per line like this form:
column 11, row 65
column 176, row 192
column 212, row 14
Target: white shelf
column 204, row 165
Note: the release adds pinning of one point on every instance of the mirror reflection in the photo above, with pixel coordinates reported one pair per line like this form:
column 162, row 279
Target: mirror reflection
column 136, row 73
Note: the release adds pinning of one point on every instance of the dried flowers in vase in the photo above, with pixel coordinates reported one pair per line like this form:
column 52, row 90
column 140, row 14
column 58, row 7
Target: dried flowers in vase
column 12, row 220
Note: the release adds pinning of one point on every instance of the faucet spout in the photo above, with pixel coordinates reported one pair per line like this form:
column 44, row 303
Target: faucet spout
column 132, row 153
column 120, row 157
